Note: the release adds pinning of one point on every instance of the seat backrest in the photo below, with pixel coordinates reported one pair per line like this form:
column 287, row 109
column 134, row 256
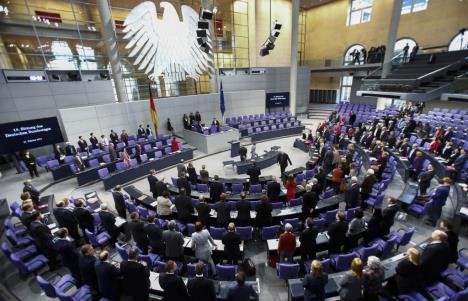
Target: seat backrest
column 19, row 264
column 92, row 238
column 389, row 246
column 245, row 232
column 405, row 239
column 217, row 233
column 122, row 252
column 270, row 232
column 343, row 262
column 46, row 286
column 226, row 272
column 288, row 271
column 6, row 249
column 237, row 188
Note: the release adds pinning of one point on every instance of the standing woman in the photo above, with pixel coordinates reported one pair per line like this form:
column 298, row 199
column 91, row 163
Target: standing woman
column 202, row 244
column 125, row 157
column 290, row 186
column 192, row 173
column 350, row 284
column 263, row 217
column 186, row 122
column 174, row 144
column 169, row 126
column 31, row 165
column 314, row 283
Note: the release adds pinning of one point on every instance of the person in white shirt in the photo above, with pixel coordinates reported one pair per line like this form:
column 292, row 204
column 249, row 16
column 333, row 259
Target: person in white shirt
column 104, row 141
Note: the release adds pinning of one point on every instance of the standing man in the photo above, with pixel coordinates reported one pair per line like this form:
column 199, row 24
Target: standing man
column 82, row 144
column 174, row 241
column 141, row 131
column 173, row 286
column 388, row 215
column 352, row 194
column 68, row 253
column 70, row 150
column 438, row 201
column 232, row 241
column 86, row 264
column 94, row 141
column 114, row 137
column 425, row 179
column 274, row 190
column 44, row 239
column 216, row 188
column 241, row 291
column 31, row 164
column 108, row 276
column 152, row 180
column 309, row 201
column 138, row 232
column 308, row 241
column 154, row 233
column 243, row 153
column 200, row 287
column 405, row 53
column 135, row 276
column 204, row 175
column 184, row 207
column 119, row 201
column 254, row 172
column 33, row 192
column 108, row 223
column 203, row 211
column 283, row 160
column 83, row 216
column 182, row 182
column 253, row 150
column 78, row 162
column 148, row 131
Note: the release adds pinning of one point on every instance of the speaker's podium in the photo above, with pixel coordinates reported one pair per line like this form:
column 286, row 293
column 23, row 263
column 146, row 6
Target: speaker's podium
column 235, row 147
column 211, row 143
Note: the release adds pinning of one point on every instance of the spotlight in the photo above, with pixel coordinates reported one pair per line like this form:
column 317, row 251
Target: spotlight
column 201, row 33
column 206, row 14
column 270, row 46
column 277, row 25
column 203, row 24
column 264, row 51
column 275, row 33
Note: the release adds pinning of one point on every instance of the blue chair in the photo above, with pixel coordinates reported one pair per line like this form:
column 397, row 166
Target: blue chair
column 329, row 216
column 144, row 158
column 287, row 271
column 202, row 188
column 375, row 202
column 19, row 229
column 277, row 205
column 257, row 188
column 245, row 232
column 421, row 209
column 103, row 173
column 98, row 240
column 455, row 278
column 131, row 207
column 158, row 154
column 439, row 290
column 309, row 174
column 18, row 242
column 122, row 251
column 254, row 204
column 402, row 239
column 342, row 262
column 295, row 202
column 462, row 260
column 237, row 188
column 21, row 254
column 64, row 283
column 16, row 209
column 82, row 294
column 217, row 233
column 190, row 229
column 365, row 252
column 93, row 163
column 120, row 166
column 385, row 247
column 31, row 265
column 226, row 272
column 270, row 232
column 167, row 150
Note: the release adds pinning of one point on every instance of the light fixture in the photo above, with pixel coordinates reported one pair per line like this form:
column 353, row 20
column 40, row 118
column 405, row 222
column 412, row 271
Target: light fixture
column 206, row 14
column 269, row 44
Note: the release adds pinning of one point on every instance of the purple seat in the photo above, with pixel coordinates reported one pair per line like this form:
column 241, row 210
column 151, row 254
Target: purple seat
column 159, row 144
column 270, row 232
column 217, row 233
column 420, row 209
column 147, row 147
column 385, row 247
column 327, row 194
column 103, row 172
column 439, row 290
column 96, row 151
column 287, row 271
column 375, row 202
column 144, row 158
column 299, row 178
column 167, row 150
column 63, row 283
column 226, row 272
column 158, row 154
column 319, row 223
column 237, row 188
column 254, row 204
column 329, row 216
column 29, row 266
column 342, row 262
column 131, row 207
column 404, row 238
column 455, row 278
column 309, row 174
column 202, row 188
column 19, row 228
column 143, row 212
column 190, row 229
column 20, row 253
column 120, row 166
column 296, row 202
column 93, row 163
column 131, row 142
column 277, row 205
column 257, row 188
column 82, row 294
column 133, row 162
column 245, row 232
column 52, row 164
column 18, row 241
column 42, row 161
column 462, row 260
column 122, row 251
column 98, row 240
column 68, row 159
column 365, row 252
column 106, row 158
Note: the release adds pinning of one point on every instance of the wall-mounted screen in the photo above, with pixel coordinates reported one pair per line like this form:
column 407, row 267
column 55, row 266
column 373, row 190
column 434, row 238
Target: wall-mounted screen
column 21, row 135
column 275, row 100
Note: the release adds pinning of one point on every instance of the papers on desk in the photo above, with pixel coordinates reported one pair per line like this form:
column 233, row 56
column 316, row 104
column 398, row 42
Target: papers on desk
column 97, row 209
column 51, row 226
column 119, row 221
column 54, row 230
column 154, row 204
column 464, row 211
column 141, row 197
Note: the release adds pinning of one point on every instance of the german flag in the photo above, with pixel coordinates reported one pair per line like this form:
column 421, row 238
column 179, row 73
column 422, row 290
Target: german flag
column 154, row 113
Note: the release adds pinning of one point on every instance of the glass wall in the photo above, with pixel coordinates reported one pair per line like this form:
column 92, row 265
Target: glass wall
column 65, row 35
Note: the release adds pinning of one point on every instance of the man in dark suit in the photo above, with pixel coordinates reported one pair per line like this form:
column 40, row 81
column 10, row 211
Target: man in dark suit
column 438, row 201
column 425, row 179
column 161, row 186
column 66, row 219
column 119, row 201
column 316, row 184
column 309, row 201
column 254, row 172
column 200, row 287
column 108, row 277
column 216, row 188
column 283, row 160
column 452, row 240
column 68, row 253
column 308, row 241
column 328, row 160
column 172, row 284
column 141, row 131
column 184, row 206
column 94, row 141
column 243, row 211
column 367, row 184
column 114, row 137
column 182, row 182
column 273, row 190
column 83, row 145
column 388, row 215
column 83, row 216
column 434, row 258
column 204, row 175
column 154, row 233
column 337, row 233
column 86, row 264
column 70, row 150
column 203, row 211
column 78, row 162
column 152, row 180
column 138, row 233
column 241, row 291
column 352, row 194
column 135, row 277
column 33, row 192
column 26, row 217
column 223, row 211
column 232, row 241
column 108, row 223
column 43, row 238
column 243, row 153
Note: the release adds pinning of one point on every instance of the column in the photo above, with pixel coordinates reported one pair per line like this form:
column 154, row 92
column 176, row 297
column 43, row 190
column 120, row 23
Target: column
column 391, row 38
column 294, row 49
column 110, row 40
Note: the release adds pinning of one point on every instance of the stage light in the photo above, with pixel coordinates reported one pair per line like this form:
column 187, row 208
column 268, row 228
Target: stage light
column 201, row 33
column 277, row 25
column 203, row 24
column 264, row 51
column 206, row 14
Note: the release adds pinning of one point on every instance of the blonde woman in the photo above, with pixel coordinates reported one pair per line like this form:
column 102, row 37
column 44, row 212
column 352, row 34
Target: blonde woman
column 314, row 283
column 350, row 284
column 408, row 272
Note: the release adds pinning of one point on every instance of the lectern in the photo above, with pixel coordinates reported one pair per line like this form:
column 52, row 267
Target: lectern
column 235, row 146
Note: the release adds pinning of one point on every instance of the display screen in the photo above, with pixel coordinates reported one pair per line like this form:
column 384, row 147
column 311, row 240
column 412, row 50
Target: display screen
column 21, row 135
column 280, row 99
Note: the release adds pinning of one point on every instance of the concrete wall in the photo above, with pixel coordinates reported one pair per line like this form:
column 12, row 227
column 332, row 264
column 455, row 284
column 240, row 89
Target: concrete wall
column 274, row 80
column 100, row 119
column 356, row 86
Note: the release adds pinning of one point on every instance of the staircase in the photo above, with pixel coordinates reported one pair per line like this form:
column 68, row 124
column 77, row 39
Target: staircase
column 320, row 111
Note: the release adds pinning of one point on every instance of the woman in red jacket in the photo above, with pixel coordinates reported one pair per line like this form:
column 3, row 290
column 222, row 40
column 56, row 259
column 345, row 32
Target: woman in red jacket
column 174, row 144
column 290, row 186
column 287, row 244
column 434, row 146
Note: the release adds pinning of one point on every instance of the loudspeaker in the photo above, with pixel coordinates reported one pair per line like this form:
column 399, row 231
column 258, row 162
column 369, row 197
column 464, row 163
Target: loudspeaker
column 55, row 77
column 264, row 51
column 277, row 25
column 275, row 33
column 203, row 24
column 270, row 46
column 206, row 14
column 73, row 76
column 201, row 33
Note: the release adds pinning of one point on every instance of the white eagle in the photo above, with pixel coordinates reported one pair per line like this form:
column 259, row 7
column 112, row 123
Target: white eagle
column 165, row 47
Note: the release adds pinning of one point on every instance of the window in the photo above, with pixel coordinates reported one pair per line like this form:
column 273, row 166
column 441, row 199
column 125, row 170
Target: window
column 359, row 12
column 349, row 59
column 411, row 6
column 460, row 41
column 346, row 83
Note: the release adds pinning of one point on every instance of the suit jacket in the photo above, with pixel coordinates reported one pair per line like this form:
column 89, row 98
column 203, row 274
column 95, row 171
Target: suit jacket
column 154, row 234
column 309, row 201
column 70, row 150
column 263, row 217
column 78, row 163
column 114, row 138
column 388, row 218
column 83, row 145
column 204, row 175
column 314, row 287
column 308, row 239
column 136, row 279
column 138, row 232
column 352, row 195
column 65, row 218
column 366, row 185
column 152, row 180
column 337, row 232
column 33, row 192
column 173, row 286
column 434, row 260
column 452, row 240
column 425, row 178
column 201, row 288
column 26, row 218
column 223, row 210
column 41, row 233
column 283, row 160
column 216, row 188
column 243, row 211
column 84, row 218
column 254, row 172
column 408, row 276
column 69, row 255
column 241, row 293
column 440, row 195
column 108, row 277
column 231, row 242
column 203, row 211
column 184, row 207
column 141, row 132
column 108, row 221
column 87, row 271
column 119, row 201
column 183, row 182
column 160, row 187
column 274, row 191
column 174, row 241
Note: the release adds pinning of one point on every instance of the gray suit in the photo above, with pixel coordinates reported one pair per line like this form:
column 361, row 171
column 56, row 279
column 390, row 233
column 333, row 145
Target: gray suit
column 174, row 244
column 181, row 168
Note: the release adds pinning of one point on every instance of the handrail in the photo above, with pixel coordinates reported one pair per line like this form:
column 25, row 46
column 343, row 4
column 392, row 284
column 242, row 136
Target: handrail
column 457, row 63
column 381, row 66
